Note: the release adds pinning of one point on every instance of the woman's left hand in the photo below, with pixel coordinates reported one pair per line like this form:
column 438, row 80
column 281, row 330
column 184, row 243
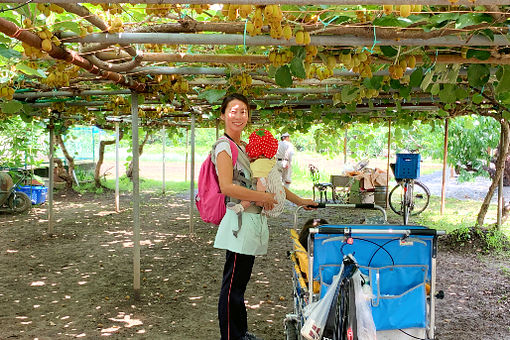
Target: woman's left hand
column 305, row 202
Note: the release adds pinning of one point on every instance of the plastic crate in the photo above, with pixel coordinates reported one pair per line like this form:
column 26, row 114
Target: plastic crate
column 407, row 165
column 36, row 193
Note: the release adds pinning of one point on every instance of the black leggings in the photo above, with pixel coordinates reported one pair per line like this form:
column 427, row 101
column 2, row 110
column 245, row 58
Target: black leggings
column 231, row 309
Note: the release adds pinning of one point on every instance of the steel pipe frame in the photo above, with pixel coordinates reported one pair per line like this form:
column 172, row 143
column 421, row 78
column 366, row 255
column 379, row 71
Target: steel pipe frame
column 240, row 40
column 283, row 2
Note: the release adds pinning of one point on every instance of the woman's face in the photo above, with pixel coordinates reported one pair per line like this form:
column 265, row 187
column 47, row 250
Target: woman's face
column 235, row 116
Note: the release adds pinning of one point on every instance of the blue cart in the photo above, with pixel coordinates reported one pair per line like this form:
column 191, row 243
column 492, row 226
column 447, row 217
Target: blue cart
column 397, row 262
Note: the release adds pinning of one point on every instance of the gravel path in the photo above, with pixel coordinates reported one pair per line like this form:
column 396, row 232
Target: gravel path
column 475, row 190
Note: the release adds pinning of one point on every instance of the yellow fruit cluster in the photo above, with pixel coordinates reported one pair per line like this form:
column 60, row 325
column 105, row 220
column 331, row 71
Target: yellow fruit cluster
column 232, row 11
column 311, row 53
column 279, row 58
column 32, row 52
column 254, row 25
column 271, row 15
column 241, row 81
column 164, row 110
column 358, row 62
column 285, row 111
column 6, row 92
column 46, row 9
column 397, row 70
column 200, row 8
column 118, row 105
column 84, row 30
column 113, row 9
column 60, row 74
column 48, row 39
column 159, row 10
column 181, row 85
column 115, row 25
column 402, row 10
column 303, row 38
column 364, row 16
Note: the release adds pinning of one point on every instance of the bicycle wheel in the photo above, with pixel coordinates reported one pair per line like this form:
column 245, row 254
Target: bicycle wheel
column 421, row 198
column 396, row 199
column 19, row 202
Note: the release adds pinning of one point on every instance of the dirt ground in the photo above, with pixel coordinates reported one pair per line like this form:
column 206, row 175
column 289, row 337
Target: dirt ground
column 79, row 281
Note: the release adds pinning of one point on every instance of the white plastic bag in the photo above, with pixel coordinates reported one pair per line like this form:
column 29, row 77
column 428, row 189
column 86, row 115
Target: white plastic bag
column 365, row 321
column 316, row 313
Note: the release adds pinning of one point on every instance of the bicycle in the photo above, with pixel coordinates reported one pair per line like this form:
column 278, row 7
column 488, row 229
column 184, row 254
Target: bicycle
column 10, row 199
column 409, row 197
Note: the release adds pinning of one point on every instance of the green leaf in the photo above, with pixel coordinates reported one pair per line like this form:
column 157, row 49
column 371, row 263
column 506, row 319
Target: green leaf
column 9, row 52
column 388, row 51
column 416, row 77
column 298, row 68
column 478, row 74
column 68, row 26
column 486, row 33
column 395, row 84
column 389, row 20
column 212, row 95
column 271, row 71
column 477, row 98
column 30, row 71
column 349, row 93
column 506, row 115
column 298, row 51
column 478, row 54
column 439, row 18
column 470, row 19
column 10, row 107
column 283, row 76
column 405, row 92
column 460, row 93
column 434, row 90
column 503, row 79
column 427, row 79
column 447, row 94
column 4, row 39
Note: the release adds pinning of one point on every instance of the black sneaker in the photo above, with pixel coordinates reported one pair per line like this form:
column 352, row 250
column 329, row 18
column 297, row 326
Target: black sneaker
column 250, row 336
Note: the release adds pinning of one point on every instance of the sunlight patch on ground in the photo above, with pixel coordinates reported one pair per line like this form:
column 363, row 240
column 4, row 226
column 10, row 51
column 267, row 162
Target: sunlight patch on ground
column 127, row 320
column 10, row 251
column 105, row 213
column 37, row 283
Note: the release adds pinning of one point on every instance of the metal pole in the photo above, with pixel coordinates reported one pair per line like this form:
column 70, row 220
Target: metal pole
column 136, row 196
column 445, row 158
column 117, row 168
column 388, row 166
column 500, row 186
column 186, row 159
column 93, row 146
column 51, row 177
column 192, row 174
column 164, row 142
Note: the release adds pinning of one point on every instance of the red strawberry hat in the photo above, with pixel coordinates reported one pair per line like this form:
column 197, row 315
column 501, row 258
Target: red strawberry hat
column 261, row 143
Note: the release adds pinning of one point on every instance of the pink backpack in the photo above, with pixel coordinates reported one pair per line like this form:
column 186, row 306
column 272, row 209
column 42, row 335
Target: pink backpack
column 209, row 200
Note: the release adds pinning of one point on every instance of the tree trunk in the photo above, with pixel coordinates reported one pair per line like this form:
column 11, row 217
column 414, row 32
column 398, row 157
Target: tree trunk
column 69, row 159
column 129, row 172
column 102, row 145
column 500, row 164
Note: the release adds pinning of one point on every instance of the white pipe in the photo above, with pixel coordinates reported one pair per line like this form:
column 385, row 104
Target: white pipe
column 51, row 177
column 164, row 142
column 136, row 196
column 240, row 40
column 192, row 174
column 117, row 168
column 468, row 3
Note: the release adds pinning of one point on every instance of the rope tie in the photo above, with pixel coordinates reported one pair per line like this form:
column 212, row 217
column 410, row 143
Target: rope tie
column 244, row 35
column 371, row 50
column 17, row 33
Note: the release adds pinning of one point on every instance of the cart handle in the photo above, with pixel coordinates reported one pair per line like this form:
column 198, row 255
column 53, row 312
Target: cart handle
column 371, row 206
column 405, row 232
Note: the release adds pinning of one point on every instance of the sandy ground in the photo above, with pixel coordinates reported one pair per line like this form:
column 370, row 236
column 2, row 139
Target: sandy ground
column 78, row 282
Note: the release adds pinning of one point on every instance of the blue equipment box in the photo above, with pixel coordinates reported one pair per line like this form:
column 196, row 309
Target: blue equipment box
column 408, row 165
column 36, row 193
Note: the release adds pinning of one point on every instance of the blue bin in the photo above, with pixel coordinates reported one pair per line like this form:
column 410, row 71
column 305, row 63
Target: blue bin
column 36, row 193
column 407, row 165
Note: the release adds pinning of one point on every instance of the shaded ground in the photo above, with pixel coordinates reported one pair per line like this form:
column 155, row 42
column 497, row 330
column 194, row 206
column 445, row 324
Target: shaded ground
column 78, row 283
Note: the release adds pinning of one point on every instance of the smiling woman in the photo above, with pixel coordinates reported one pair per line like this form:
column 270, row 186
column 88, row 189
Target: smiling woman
column 241, row 244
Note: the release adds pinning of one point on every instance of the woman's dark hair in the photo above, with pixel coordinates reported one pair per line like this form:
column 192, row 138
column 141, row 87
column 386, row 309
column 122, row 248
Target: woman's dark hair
column 232, row 97
column 311, row 223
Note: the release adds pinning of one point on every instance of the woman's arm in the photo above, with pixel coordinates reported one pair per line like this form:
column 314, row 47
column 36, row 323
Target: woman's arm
column 298, row 200
column 228, row 188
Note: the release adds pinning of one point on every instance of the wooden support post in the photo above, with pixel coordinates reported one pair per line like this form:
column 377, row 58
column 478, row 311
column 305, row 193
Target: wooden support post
column 345, row 146
column 192, row 175
column 445, row 158
column 117, row 168
column 217, row 129
column 136, row 195
column 388, row 166
column 51, row 176
column 164, row 142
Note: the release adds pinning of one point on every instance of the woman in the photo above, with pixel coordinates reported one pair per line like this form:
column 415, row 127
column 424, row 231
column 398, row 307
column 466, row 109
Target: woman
column 241, row 244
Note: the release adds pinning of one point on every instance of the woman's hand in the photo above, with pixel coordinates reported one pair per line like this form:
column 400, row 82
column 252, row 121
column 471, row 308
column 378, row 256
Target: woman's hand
column 269, row 201
column 305, row 202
